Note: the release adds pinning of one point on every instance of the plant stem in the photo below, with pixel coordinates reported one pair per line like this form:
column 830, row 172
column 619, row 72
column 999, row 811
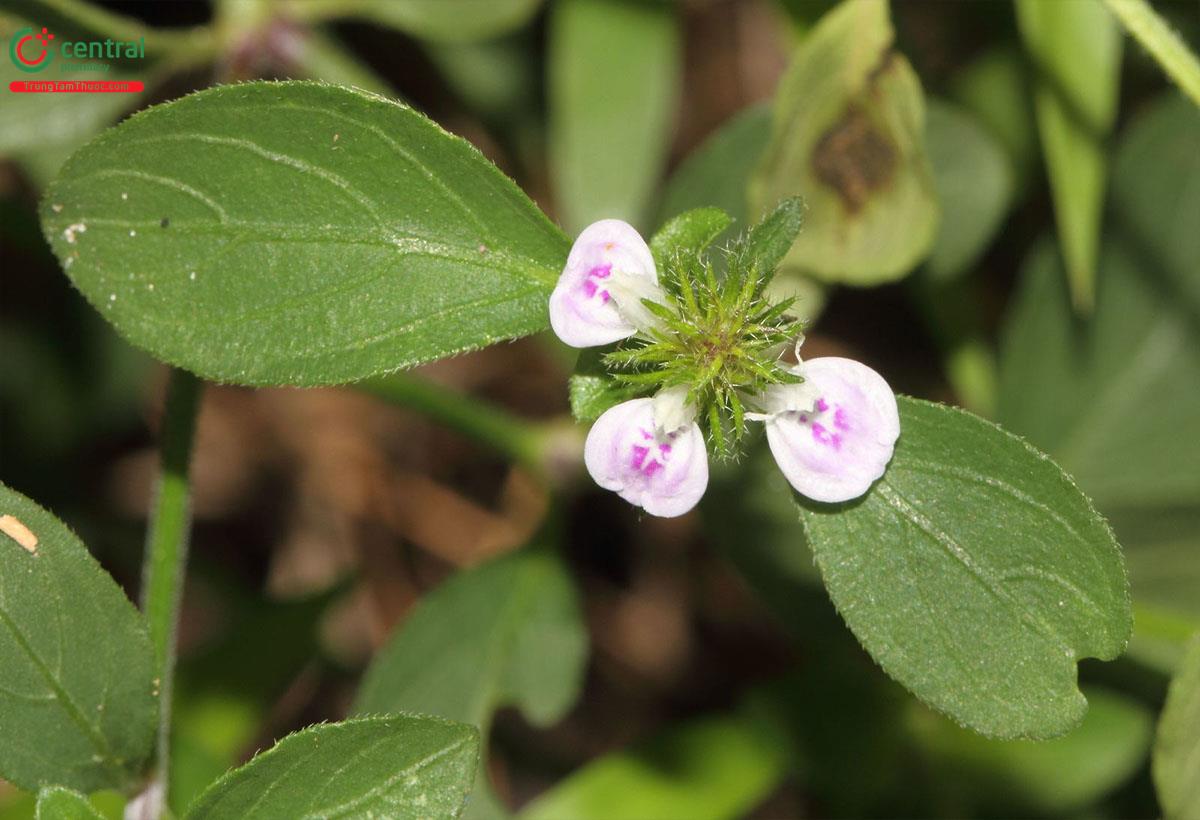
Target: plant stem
column 166, row 546
column 479, row 420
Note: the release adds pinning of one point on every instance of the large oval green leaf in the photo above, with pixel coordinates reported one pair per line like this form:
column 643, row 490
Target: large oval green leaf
column 298, row 233
column 78, row 704
column 401, row 766
column 976, row 574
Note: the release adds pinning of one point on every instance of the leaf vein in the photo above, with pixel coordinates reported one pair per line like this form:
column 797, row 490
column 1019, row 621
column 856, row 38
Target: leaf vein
column 955, row 550
column 301, row 165
column 411, row 243
column 407, row 155
column 965, row 474
column 69, row 706
column 391, row 781
column 169, row 182
column 317, row 793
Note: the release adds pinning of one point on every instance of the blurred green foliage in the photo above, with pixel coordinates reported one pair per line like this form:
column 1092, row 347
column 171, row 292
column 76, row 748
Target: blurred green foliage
column 1177, row 750
column 1088, row 346
column 607, row 58
column 706, row 769
column 1074, row 48
column 506, row 633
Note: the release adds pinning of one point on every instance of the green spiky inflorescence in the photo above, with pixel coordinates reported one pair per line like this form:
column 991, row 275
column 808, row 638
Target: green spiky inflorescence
column 719, row 335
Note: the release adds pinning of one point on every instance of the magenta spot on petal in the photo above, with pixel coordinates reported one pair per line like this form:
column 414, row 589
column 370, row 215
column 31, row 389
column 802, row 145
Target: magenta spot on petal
column 839, row 419
column 803, row 418
column 646, row 434
column 823, row 436
column 644, row 461
column 822, row 406
column 591, row 286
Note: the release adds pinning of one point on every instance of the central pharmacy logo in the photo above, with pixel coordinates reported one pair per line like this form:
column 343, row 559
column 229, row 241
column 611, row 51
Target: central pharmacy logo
column 30, row 51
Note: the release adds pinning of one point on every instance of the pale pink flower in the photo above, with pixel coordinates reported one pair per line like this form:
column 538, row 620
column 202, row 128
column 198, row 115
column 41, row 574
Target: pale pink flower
column 651, row 453
column 598, row 297
column 832, row 435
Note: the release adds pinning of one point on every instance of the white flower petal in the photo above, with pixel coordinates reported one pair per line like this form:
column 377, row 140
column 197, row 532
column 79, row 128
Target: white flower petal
column 665, row 475
column 835, row 450
column 583, row 312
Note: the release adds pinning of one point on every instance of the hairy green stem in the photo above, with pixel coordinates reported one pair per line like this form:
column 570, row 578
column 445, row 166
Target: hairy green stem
column 166, row 546
column 1165, row 45
column 481, row 421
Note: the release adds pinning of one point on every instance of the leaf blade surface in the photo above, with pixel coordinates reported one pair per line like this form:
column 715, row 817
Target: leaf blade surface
column 404, row 766
column 976, row 574
column 298, row 233
column 78, row 706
